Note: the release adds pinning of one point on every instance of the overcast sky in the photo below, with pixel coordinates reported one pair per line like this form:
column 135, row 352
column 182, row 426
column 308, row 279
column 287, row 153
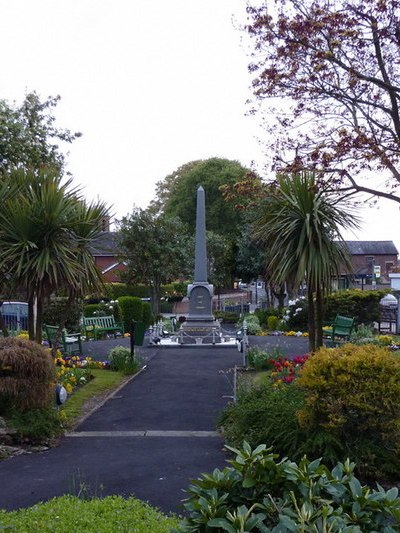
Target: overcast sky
column 151, row 84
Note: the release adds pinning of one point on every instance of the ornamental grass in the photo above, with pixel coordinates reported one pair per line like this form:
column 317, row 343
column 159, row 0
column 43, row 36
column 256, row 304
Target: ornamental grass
column 27, row 374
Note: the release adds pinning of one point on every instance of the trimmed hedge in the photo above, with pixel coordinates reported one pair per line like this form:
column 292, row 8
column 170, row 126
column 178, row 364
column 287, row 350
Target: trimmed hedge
column 363, row 305
column 131, row 309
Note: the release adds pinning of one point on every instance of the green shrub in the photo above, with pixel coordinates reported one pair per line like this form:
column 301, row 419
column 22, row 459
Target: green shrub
column 227, row 317
column 116, row 290
column 261, row 359
column 58, row 309
column 263, row 314
column 363, row 305
column 296, row 315
column 121, row 360
column 27, row 374
column 90, row 310
column 265, row 414
column 147, row 317
column 253, row 324
column 131, row 309
column 69, row 514
column 352, row 394
column 273, row 323
column 260, row 493
column 36, row 424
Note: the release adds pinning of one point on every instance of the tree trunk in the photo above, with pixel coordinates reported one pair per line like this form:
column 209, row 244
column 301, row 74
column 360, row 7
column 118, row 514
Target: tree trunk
column 280, row 296
column 31, row 317
column 311, row 319
column 39, row 321
column 155, row 298
column 318, row 319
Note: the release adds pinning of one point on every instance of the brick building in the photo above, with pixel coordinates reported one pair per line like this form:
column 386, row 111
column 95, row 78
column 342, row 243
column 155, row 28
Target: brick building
column 104, row 251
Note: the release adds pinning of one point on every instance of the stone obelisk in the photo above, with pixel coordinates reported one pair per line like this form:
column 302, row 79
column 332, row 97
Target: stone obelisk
column 200, row 321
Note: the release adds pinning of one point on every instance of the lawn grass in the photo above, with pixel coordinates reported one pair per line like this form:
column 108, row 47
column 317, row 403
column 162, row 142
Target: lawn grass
column 94, row 391
column 68, row 514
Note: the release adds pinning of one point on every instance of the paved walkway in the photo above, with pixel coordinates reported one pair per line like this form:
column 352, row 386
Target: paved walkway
column 149, row 440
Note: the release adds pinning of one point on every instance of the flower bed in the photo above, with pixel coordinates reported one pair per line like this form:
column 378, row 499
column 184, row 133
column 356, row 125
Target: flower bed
column 76, row 370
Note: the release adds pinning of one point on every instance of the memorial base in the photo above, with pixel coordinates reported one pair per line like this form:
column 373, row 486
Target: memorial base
column 201, row 332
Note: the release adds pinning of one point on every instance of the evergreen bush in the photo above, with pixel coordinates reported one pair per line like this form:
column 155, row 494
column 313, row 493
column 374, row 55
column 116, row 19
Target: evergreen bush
column 90, row 310
column 265, row 414
column 263, row 314
column 260, row 493
column 273, row 322
column 352, row 393
column 147, row 316
column 363, row 305
column 131, row 309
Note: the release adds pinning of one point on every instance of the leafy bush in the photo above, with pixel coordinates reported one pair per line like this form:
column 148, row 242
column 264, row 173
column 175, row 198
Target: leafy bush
column 106, row 515
column 258, row 493
column 58, row 309
column 90, row 310
column 363, row 305
column 261, row 359
column 131, row 309
column 27, row 374
column 121, row 360
column 265, row 414
column 253, row 324
column 273, row 322
column 116, row 290
column 227, row 317
column 148, row 317
column 36, row 424
column 296, row 315
column 263, row 314
column 352, row 393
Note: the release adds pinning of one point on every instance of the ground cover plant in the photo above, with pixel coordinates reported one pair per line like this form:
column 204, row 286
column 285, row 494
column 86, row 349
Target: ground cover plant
column 70, row 514
column 260, row 493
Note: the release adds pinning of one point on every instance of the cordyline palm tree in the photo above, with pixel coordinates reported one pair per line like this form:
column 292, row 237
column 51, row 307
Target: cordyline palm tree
column 45, row 232
column 299, row 224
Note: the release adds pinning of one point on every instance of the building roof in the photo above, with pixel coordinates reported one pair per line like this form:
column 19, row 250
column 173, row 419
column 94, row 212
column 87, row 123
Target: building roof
column 371, row 247
column 104, row 245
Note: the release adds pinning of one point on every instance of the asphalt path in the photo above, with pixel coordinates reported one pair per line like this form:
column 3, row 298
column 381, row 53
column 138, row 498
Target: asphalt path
column 149, row 440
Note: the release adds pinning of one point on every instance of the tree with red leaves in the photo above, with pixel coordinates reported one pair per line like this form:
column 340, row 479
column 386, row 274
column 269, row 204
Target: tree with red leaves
column 330, row 70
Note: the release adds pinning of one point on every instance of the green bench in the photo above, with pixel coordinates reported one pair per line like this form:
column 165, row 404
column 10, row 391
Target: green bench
column 97, row 325
column 68, row 343
column 340, row 329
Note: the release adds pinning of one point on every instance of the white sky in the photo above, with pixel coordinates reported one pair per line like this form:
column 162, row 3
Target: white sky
column 151, row 84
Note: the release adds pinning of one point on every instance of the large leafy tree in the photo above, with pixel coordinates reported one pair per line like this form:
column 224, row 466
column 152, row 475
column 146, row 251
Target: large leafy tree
column 29, row 138
column 46, row 229
column 176, row 194
column 155, row 249
column 300, row 225
column 329, row 71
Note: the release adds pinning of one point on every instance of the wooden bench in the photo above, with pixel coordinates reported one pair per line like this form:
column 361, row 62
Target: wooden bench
column 340, row 329
column 97, row 325
column 68, row 343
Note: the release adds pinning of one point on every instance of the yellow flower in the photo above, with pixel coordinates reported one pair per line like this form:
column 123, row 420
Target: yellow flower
column 68, row 388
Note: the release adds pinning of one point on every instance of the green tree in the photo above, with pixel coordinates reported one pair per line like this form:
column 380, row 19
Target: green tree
column 300, row 223
column 334, row 67
column 155, row 250
column 28, row 135
column 176, row 194
column 45, row 231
